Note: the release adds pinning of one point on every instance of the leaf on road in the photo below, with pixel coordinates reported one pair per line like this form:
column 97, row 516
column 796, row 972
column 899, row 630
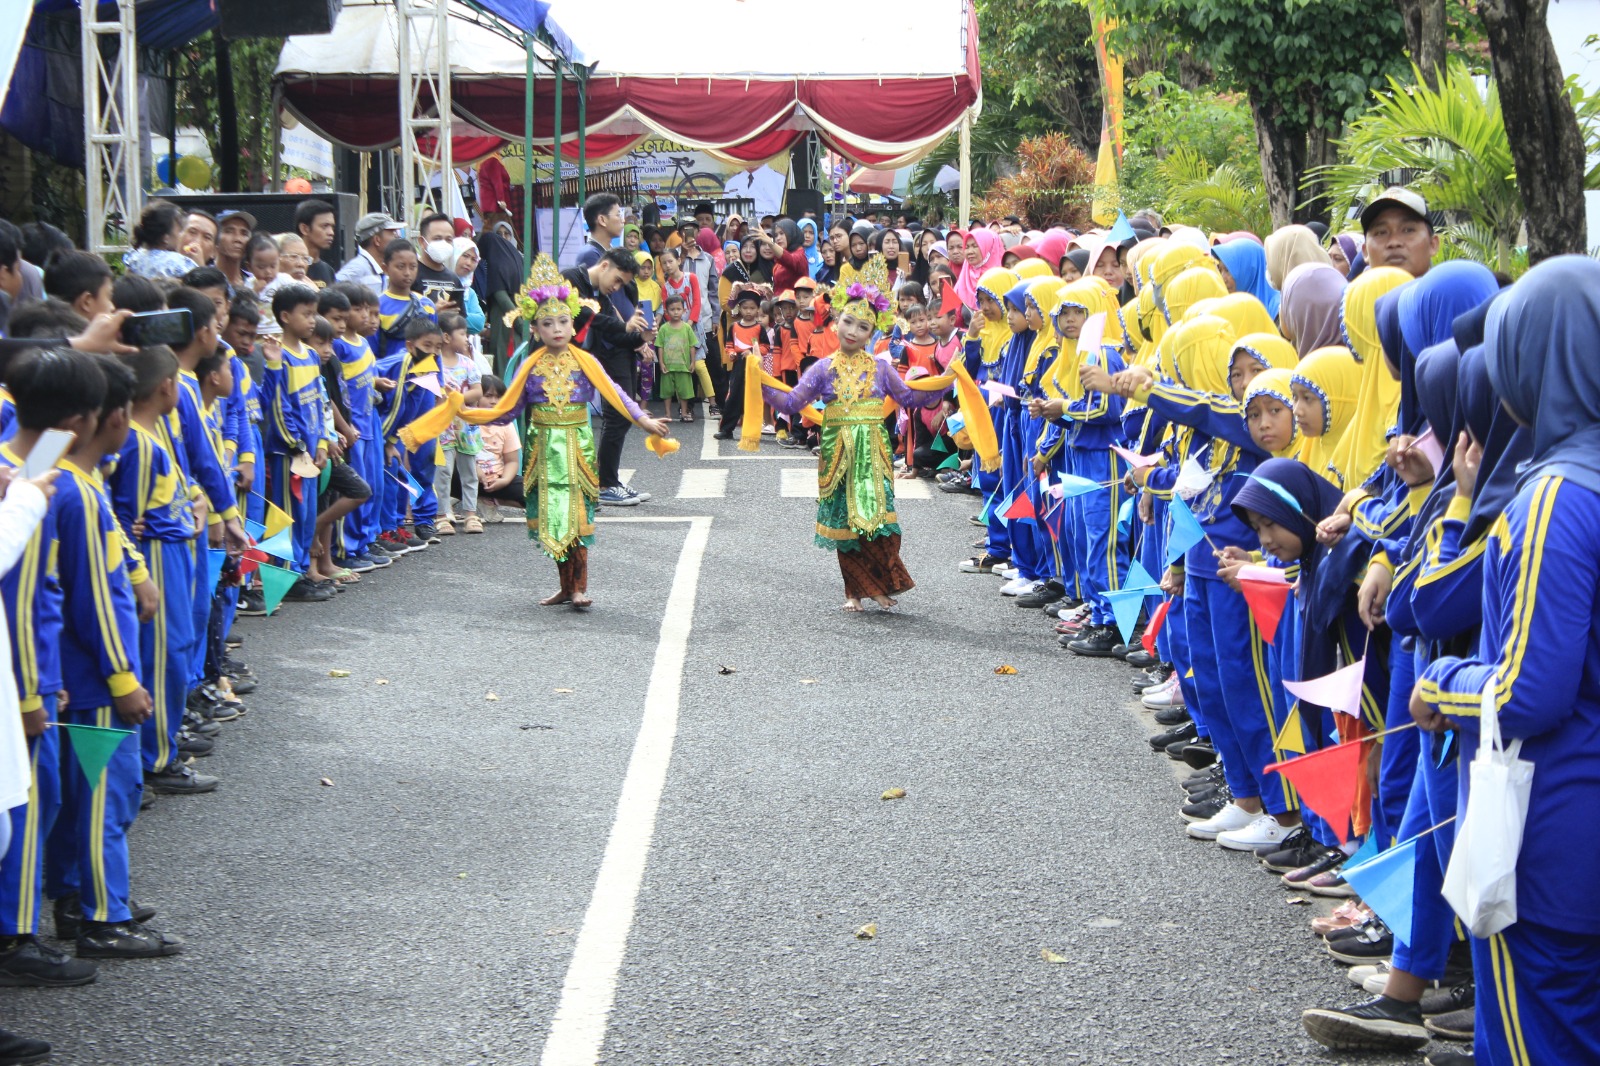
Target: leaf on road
column 564, row 691
column 326, row 782
column 380, row 681
column 1005, row 668
column 1049, row 956
column 1298, row 901
column 338, row 673
column 894, row 794
column 491, row 697
column 868, row 931
column 535, row 725
column 460, row 876
column 808, row 681
column 725, row 670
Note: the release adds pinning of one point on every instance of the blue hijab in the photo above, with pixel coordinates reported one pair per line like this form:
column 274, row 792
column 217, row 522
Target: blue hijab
column 1246, row 261
column 1289, row 493
column 813, row 253
column 1400, row 358
column 1541, row 341
column 1424, row 311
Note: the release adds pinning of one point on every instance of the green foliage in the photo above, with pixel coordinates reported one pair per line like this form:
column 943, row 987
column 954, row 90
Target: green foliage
column 1218, row 199
column 1161, row 116
column 254, row 60
column 1054, row 187
column 1038, row 56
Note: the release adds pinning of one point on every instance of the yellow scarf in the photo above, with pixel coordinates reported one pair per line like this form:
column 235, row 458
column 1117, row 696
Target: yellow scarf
column 1248, row 314
column 1200, row 347
column 1334, row 375
column 1361, row 452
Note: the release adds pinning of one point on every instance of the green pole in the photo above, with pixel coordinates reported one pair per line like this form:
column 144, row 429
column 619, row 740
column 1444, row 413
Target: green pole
column 527, row 155
column 583, row 134
column 555, row 160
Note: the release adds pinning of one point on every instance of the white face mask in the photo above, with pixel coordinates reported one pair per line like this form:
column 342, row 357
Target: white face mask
column 438, row 251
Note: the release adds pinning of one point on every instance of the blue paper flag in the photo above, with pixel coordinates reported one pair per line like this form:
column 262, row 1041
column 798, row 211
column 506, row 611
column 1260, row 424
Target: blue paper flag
column 1139, row 578
column 998, row 504
column 1186, row 530
column 215, row 557
column 280, row 545
column 1073, row 485
column 409, row 483
column 254, row 528
column 1122, row 231
column 1125, row 607
column 1369, row 846
column 1384, row 883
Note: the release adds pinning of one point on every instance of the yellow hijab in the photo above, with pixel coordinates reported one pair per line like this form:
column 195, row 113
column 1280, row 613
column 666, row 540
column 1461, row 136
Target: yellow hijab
column 1200, row 347
column 1094, row 296
column 1335, row 377
column 1276, row 383
column 1269, row 350
column 995, row 334
column 1361, row 453
column 1032, row 268
column 1248, row 314
column 1189, row 288
column 1042, row 295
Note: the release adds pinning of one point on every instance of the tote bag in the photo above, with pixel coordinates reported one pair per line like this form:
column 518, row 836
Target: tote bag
column 1480, row 882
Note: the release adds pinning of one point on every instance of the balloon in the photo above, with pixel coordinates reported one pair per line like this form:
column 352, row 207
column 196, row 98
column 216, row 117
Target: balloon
column 194, row 172
column 164, row 167
column 299, row 185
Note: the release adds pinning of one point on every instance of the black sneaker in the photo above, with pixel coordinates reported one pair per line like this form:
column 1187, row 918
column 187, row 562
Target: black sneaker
column 1209, row 792
column 1204, row 779
column 1170, row 716
column 1382, row 1024
column 1457, row 1025
column 21, row 1050
column 1446, row 1001
column 360, row 564
column 981, row 564
column 1141, row 658
column 69, row 915
column 960, row 483
column 1046, row 593
column 428, row 534
column 1298, row 849
column 197, row 723
column 1199, row 754
column 1181, row 731
column 1448, row 1057
column 1199, row 812
column 124, row 940
column 194, row 744
column 413, row 542
column 1095, row 643
column 1374, row 943
column 25, row 962
column 306, row 591
column 179, row 780
column 252, row 603
column 1330, row 859
column 1054, row 607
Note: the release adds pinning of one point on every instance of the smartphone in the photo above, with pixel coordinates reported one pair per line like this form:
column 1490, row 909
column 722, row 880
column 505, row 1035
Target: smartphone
column 48, row 450
column 145, row 329
column 649, row 312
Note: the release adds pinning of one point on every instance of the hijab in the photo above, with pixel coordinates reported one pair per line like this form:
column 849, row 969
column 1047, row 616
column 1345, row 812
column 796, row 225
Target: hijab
column 1171, row 261
column 1361, row 452
column 866, row 231
column 1093, row 296
column 1246, row 261
column 1238, row 235
column 813, row 253
column 1028, row 269
column 1350, row 245
column 1289, row 493
column 1188, row 289
column 1333, row 375
column 1424, row 313
column 500, row 267
column 968, row 280
column 1053, row 246
column 1288, row 248
column 1309, row 309
column 1200, row 345
column 1540, row 342
column 1041, row 294
column 1245, row 312
column 1270, row 352
column 458, row 248
column 1276, row 382
column 1079, row 257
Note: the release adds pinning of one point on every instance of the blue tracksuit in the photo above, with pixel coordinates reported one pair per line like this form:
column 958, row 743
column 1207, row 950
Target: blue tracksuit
column 292, row 397
column 359, row 370
column 408, row 401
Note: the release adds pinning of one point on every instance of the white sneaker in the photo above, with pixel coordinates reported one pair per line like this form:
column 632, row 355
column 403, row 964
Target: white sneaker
column 1005, row 570
column 1359, row 975
column 1074, row 614
column 1171, row 696
column 767, row 431
column 1260, row 833
column 1159, row 686
column 1376, row 984
column 1226, row 820
column 1016, row 587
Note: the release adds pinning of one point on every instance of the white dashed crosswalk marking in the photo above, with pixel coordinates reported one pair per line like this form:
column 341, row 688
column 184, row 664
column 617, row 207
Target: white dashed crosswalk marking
column 800, row 483
column 700, row 483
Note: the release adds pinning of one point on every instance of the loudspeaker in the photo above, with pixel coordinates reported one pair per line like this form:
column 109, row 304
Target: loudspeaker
column 274, row 213
column 797, row 202
column 280, row 18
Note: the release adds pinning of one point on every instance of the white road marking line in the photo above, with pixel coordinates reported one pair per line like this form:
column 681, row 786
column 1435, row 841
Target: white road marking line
column 913, row 489
column 625, row 475
column 703, row 483
column 578, row 1030
column 711, row 453
column 798, row 482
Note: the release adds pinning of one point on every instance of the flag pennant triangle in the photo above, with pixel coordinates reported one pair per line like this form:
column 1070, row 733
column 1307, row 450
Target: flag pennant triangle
column 1384, row 883
column 1326, row 782
column 1266, row 601
column 1126, row 605
column 1186, row 530
column 215, row 557
column 280, row 545
column 275, row 584
column 1139, row 578
column 94, row 745
column 1292, row 737
column 1339, row 691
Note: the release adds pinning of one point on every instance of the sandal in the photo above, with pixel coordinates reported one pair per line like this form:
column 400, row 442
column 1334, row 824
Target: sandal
column 343, row 576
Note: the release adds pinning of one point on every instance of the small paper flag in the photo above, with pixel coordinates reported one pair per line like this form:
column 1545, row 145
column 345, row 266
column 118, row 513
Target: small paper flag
column 1326, row 783
column 1267, row 600
column 1339, row 691
column 1192, row 479
column 1292, row 737
column 1126, row 605
column 1072, row 485
column 280, row 545
column 1091, row 333
column 409, row 483
column 1266, row 575
column 275, row 584
column 949, row 302
column 1428, row 445
column 256, row 529
column 1153, row 630
column 250, row 560
column 295, row 488
column 1139, row 578
column 428, row 383
column 1021, row 505
column 1384, row 883
column 1186, row 530
column 941, row 444
column 951, row 463
column 1122, row 231
column 999, row 388
column 215, row 557
column 94, row 745
column 1135, row 460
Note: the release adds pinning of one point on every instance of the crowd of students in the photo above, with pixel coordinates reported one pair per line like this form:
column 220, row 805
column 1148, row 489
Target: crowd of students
column 1408, row 446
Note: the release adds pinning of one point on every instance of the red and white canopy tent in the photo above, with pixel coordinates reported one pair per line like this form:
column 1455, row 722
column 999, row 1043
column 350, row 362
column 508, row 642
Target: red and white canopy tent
column 882, row 98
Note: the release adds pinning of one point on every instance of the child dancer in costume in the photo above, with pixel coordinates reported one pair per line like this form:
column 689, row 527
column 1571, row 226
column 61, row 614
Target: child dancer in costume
column 554, row 385
column 856, row 516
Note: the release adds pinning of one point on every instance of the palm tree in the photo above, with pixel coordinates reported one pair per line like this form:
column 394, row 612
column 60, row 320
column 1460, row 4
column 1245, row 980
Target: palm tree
column 995, row 136
column 1217, row 199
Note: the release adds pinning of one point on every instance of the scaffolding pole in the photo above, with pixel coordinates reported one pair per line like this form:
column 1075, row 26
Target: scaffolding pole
column 113, row 160
column 424, row 101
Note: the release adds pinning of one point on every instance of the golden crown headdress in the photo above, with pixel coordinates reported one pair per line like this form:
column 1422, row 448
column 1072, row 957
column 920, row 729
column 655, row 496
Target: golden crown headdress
column 865, row 296
column 546, row 291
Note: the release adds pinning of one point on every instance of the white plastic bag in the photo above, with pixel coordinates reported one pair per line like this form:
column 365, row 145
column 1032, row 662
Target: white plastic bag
column 1481, row 881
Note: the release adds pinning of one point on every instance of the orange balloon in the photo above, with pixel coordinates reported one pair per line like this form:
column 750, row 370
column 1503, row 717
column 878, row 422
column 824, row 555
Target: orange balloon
column 300, row 185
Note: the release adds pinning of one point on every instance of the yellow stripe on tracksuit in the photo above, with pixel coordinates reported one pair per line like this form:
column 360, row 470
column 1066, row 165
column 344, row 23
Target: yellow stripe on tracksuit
column 1505, row 993
column 158, row 675
column 27, row 898
column 1264, row 688
column 100, row 581
column 22, row 615
column 97, row 831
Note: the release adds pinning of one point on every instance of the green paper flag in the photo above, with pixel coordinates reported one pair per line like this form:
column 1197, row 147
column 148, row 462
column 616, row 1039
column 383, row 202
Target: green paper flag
column 941, row 443
column 275, row 584
column 94, row 745
column 952, row 463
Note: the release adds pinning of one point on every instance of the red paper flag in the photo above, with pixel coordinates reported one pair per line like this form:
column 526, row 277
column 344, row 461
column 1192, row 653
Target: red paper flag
column 1326, row 781
column 1022, row 506
column 251, row 559
column 950, row 303
column 1266, row 600
column 294, row 486
column 1153, row 630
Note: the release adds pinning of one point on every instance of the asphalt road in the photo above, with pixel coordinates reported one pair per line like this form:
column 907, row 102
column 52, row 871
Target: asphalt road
column 399, row 863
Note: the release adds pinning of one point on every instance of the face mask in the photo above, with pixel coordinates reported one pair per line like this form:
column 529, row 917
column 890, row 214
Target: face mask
column 438, row 251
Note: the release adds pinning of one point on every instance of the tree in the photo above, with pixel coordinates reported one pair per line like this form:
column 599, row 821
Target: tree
column 1425, row 34
column 1054, row 187
column 1218, row 199
column 1540, row 124
column 1039, row 56
column 1304, row 66
column 253, row 61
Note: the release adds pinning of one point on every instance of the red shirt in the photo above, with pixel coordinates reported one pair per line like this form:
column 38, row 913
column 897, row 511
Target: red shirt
column 788, row 269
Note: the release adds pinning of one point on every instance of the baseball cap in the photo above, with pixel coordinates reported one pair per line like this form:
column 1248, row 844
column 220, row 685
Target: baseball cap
column 1395, row 196
column 806, row 283
column 372, row 222
column 787, row 297
column 223, row 217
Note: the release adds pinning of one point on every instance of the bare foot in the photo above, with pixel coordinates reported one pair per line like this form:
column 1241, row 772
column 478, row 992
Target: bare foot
column 581, row 602
column 558, row 598
column 885, row 602
column 851, row 605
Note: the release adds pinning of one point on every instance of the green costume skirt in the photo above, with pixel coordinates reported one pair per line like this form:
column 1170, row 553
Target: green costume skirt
column 559, row 480
column 855, row 478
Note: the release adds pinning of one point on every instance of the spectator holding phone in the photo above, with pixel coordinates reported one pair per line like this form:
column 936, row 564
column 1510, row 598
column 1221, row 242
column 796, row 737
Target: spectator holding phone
column 463, row 264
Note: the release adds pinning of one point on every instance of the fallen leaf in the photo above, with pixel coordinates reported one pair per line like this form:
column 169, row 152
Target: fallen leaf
column 326, row 782
column 460, row 876
column 868, row 931
column 726, row 670
column 380, row 681
column 808, row 681
column 894, row 794
column 564, row 691
column 491, row 697
column 1005, row 668
column 1049, row 956
column 338, row 673
column 1298, row 901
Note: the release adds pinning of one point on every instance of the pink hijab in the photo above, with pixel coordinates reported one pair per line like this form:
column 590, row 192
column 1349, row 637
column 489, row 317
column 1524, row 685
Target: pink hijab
column 707, row 240
column 993, row 249
column 1052, row 246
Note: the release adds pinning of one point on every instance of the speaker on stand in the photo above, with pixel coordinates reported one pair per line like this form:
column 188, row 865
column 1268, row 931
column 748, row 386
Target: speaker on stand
column 280, row 18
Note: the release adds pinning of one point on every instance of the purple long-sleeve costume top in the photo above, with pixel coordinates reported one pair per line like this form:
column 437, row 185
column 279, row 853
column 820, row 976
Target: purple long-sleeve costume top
column 583, row 391
column 817, row 384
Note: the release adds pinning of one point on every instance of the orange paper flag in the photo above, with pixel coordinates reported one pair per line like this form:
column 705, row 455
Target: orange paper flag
column 1326, row 781
column 1153, row 630
column 1021, row 506
column 1266, row 600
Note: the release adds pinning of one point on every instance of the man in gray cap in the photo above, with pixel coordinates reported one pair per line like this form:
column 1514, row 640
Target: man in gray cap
column 373, row 231
column 1399, row 232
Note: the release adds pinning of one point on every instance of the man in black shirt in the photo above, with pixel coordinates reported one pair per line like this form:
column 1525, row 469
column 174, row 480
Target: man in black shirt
column 615, row 342
column 314, row 221
column 434, row 255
